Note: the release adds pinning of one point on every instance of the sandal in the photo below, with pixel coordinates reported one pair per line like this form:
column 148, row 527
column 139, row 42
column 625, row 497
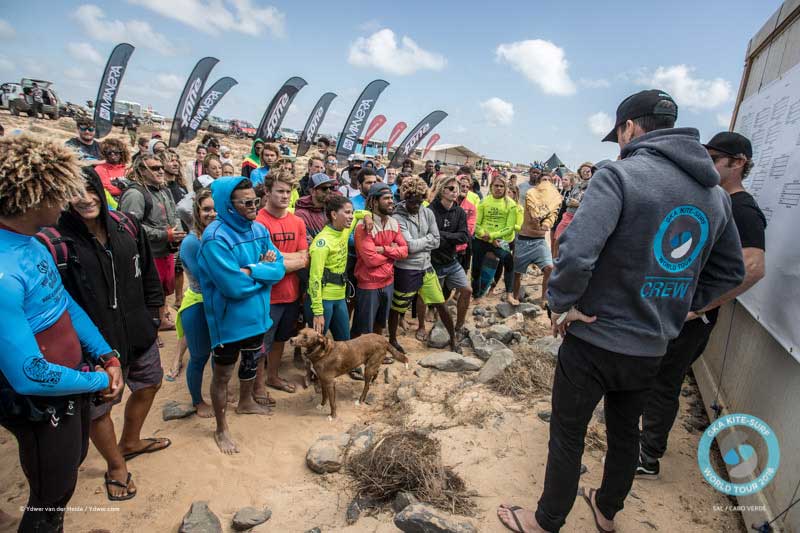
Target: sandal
column 284, row 386
column 267, row 400
column 513, row 509
column 109, row 482
column 595, row 510
column 150, row 448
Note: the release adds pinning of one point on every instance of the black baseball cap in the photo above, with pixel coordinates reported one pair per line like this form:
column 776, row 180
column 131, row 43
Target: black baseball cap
column 731, row 143
column 641, row 104
column 379, row 189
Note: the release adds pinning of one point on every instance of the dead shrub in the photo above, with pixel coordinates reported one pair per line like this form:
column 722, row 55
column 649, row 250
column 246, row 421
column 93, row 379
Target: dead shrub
column 530, row 376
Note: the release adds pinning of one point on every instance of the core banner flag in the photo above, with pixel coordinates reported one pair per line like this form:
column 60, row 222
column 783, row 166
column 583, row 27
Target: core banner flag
column 189, row 98
column 399, row 128
column 314, row 122
column 376, row 124
column 406, row 148
column 277, row 108
column 433, row 140
column 109, row 87
column 206, row 105
column 357, row 120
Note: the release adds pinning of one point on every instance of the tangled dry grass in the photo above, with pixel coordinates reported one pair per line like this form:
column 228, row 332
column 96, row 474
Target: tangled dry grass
column 408, row 461
column 529, row 377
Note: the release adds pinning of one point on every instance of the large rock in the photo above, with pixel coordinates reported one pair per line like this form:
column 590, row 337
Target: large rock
column 403, row 500
column 529, row 310
column 505, row 309
column 327, row 453
column 250, row 517
column 419, row 518
column 497, row 363
column 173, row 410
column 547, row 344
column 388, row 375
column 439, row 338
column 361, row 441
column 451, row 362
column 488, row 348
column 200, row 519
column 500, row 332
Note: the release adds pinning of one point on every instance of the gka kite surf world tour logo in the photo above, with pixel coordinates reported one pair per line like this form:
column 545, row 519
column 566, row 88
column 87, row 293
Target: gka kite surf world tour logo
column 738, row 436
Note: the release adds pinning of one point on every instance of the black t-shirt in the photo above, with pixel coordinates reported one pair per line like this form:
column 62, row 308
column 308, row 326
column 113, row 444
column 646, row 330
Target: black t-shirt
column 91, row 151
column 751, row 223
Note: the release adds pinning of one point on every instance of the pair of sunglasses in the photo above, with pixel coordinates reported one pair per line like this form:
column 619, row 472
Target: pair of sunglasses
column 86, row 128
column 255, row 202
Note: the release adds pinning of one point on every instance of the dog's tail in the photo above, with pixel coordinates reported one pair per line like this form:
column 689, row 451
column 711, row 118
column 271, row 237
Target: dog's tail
column 397, row 354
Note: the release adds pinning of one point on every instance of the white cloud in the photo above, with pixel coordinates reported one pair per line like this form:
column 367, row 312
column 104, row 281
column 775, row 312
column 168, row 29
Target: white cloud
column 380, row 50
column 498, row 112
column 137, row 32
column 600, row 83
column 693, row 93
column 75, row 73
column 600, row 124
column 7, row 31
column 724, row 119
column 85, row 52
column 542, row 62
column 169, row 82
column 214, row 16
column 6, row 65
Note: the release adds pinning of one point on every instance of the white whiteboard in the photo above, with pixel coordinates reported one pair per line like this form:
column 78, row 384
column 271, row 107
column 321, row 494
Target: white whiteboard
column 771, row 120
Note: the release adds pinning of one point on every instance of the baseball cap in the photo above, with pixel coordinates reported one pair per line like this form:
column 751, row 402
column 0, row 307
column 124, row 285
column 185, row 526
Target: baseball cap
column 356, row 157
column 379, row 189
column 731, row 143
column 641, row 104
column 320, row 178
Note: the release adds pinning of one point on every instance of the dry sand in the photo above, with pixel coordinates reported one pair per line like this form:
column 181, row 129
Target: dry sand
column 498, row 445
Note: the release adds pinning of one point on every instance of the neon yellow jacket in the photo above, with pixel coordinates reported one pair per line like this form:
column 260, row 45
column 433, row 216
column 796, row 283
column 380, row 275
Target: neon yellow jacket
column 473, row 198
column 498, row 217
column 520, row 217
column 293, row 199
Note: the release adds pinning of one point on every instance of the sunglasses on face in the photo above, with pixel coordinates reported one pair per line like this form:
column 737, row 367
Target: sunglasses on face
column 156, row 168
column 255, row 202
column 450, row 188
column 114, row 152
column 331, row 161
column 86, row 128
column 325, row 188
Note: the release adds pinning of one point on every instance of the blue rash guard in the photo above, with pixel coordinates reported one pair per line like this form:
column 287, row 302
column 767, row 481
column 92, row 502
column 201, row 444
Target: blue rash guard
column 32, row 299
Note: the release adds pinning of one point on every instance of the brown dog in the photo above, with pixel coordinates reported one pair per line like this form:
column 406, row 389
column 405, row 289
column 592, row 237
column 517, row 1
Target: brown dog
column 330, row 359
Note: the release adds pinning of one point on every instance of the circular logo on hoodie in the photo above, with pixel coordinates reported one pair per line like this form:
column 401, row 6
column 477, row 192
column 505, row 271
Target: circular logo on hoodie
column 681, row 237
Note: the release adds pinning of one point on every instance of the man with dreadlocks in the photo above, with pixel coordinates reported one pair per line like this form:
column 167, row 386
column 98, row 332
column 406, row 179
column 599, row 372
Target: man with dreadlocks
column 53, row 357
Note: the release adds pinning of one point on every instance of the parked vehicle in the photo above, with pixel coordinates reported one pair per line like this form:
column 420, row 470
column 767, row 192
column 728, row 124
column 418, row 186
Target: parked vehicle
column 121, row 108
column 242, row 128
column 288, row 135
column 9, row 91
column 68, row 109
column 22, row 99
column 216, row 125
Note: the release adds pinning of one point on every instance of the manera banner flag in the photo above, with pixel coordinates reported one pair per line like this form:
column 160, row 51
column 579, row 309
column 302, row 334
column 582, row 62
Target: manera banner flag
column 109, row 87
column 277, row 108
column 376, row 124
column 358, row 119
column 189, row 98
column 433, row 140
column 314, row 122
column 399, row 128
column 207, row 103
column 406, row 148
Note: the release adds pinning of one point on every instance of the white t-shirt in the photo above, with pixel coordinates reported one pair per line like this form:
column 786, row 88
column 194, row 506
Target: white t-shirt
column 348, row 191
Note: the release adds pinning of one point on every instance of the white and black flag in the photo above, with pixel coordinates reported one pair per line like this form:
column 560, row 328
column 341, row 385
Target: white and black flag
column 357, row 121
column 277, row 108
column 420, row 131
column 109, row 88
column 205, row 106
column 190, row 98
column 314, row 122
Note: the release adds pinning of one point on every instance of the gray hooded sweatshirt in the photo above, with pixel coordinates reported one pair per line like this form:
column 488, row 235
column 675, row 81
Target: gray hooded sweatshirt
column 422, row 235
column 654, row 239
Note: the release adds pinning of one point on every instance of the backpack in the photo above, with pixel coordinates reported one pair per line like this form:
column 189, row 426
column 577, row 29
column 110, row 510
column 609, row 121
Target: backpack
column 148, row 197
column 56, row 243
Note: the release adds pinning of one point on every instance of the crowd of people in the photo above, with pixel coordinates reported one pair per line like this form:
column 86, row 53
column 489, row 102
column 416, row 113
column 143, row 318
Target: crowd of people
column 95, row 239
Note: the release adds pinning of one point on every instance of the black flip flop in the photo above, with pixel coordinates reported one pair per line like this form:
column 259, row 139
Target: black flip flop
column 120, row 484
column 148, row 449
column 513, row 509
column 588, row 499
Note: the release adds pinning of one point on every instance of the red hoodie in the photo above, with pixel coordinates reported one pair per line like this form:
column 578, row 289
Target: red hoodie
column 374, row 270
column 108, row 172
column 313, row 217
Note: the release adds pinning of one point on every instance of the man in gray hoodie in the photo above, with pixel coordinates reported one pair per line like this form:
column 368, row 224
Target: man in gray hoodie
column 415, row 274
column 654, row 240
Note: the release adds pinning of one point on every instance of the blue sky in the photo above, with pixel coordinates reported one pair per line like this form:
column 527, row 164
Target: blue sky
column 520, row 80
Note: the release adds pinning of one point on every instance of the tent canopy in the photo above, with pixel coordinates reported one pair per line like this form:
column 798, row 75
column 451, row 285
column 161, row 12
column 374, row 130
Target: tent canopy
column 454, row 154
column 554, row 162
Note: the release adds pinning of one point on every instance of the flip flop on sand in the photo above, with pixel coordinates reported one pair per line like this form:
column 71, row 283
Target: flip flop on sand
column 267, row 400
column 513, row 509
column 595, row 510
column 283, row 385
column 421, row 335
column 150, row 448
column 128, row 494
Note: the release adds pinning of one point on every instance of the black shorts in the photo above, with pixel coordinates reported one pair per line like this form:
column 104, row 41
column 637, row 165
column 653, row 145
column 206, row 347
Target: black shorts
column 284, row 323
column 250, row 350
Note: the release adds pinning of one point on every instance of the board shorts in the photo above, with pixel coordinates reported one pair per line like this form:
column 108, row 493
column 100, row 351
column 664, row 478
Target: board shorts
column 249, row 349
column 165, row 266
column 408, row 283
column 372, row 307
column 284, row 323
column 141, row 372
column 531, row 250
column 452, row 276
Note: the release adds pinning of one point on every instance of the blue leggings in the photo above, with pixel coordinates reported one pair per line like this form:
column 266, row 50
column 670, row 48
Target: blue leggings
column 337, row 318
column 199, row 342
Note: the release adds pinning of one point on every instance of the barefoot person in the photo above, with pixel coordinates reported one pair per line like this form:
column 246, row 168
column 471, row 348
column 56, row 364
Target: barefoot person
column 615, row 319
column 238, row 265
column 191, row 323
column 110, row 273
column 288, row 234
column 48, row 341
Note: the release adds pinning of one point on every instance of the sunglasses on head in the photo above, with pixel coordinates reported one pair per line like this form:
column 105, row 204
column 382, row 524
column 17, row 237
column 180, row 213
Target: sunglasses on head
column 254, row 202
column 86, row 128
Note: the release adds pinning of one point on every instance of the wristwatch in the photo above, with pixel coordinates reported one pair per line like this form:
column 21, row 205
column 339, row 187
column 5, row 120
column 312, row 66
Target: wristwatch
column 110, row 359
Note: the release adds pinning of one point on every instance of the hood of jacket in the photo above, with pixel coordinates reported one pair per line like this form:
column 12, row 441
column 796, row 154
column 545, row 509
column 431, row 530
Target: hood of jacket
column 305, row 202
column 221, row 192
column 71, row 219
column 682, row 147
column 253, row 157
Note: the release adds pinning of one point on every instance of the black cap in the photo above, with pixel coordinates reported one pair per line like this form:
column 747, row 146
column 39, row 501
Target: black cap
column 731, row 143
column 641, row 104
column 377, row 190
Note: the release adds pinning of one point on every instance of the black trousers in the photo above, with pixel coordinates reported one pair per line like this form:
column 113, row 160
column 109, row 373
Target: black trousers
column 663, row 401
column 50, row 457
column 584, row 374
